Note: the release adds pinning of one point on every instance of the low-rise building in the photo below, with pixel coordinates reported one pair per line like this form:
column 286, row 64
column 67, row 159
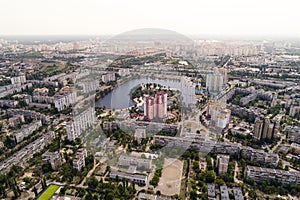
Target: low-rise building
column 136, row 178
column 260, row 174
column 8, row 103
column 293, row 133
column 224, row 192
column 238, row 194
column 211, row 191
column 25, row 131
column 139, row 162
column 145, row 196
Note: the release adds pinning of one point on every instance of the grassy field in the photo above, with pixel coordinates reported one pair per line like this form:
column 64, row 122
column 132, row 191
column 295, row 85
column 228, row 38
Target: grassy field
column 49, row 192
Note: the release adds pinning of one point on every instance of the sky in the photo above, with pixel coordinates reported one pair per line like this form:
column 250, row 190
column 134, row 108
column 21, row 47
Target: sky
column 195, row 17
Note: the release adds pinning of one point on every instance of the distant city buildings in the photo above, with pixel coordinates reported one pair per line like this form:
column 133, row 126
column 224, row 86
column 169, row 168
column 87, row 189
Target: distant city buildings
column 155, row 108
column 80, row 123
column 265, row 128
column 123, row 71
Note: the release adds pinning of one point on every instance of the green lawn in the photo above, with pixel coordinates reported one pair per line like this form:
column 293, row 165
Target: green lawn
column 49, row 192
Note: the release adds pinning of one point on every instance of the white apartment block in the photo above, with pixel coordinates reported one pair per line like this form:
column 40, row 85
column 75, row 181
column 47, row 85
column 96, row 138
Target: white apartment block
column 62, row 102
column 187, row 89
column 123, row 71
column 89, row 86
column 108, row 77
column 81, row 123
column 79, row 160
column 18, row 80
column 260, row 174
column 25, row 131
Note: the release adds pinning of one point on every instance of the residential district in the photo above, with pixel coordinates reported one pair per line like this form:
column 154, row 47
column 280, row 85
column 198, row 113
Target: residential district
column 149, row 120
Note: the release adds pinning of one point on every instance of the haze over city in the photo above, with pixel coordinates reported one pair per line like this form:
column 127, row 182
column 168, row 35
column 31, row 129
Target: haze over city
column 193, row 17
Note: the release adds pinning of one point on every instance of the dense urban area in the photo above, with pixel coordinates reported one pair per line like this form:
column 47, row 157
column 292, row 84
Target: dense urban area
column 91, row 118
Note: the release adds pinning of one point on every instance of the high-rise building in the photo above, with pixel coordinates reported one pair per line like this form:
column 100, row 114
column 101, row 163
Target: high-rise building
column 220, row 116
column 222, row 71
column 155, row 107
column 265, row 128
column 187, row 89
column 214, row 83
column 81, row 123
column 222, row 163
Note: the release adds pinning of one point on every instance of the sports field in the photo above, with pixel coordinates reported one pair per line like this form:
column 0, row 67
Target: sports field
column 48, row 192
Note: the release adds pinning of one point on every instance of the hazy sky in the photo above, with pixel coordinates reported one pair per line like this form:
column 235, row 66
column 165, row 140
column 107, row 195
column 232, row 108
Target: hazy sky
column 95, row 17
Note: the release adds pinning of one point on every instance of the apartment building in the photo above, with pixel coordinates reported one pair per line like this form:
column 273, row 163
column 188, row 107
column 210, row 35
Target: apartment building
column 62, row 102
column 224, row 192
column 25, row 131
column 259, row 156
column 81, row 123
column 8, row 103
column 108, row 77
column 260, row 174
column 156, row 107
column 23, row 155
column 18, row 80
column 214, row 83
column 265, row 128
column 237, row 193
column 79, row 160
column 211, row 191
column 222, row 163
column 53, row 158
column 293, row 133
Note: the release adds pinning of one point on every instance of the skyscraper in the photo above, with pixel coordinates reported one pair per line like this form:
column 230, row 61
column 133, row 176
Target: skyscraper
column 214, row 83
column 155, row 107
column 265, row 128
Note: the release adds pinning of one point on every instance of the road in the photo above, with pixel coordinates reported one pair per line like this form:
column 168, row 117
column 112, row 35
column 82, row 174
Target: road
column 236, row 169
